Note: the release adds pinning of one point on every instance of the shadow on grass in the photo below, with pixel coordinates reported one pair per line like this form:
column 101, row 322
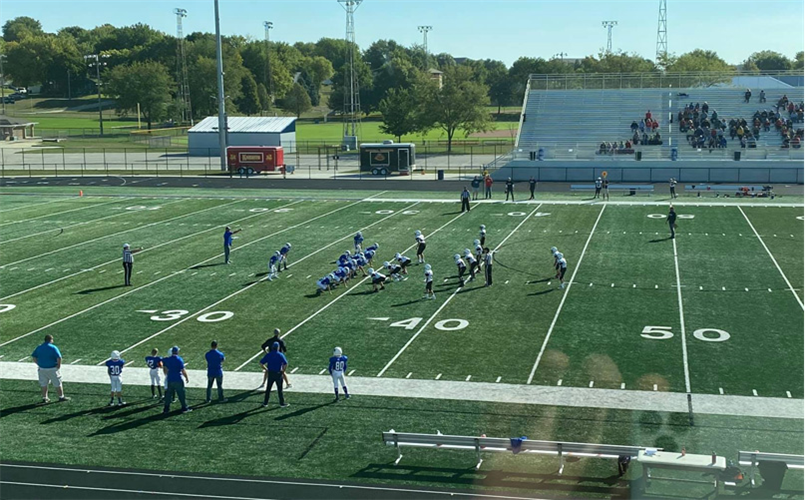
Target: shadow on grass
column 93, row 290
column 6, row 412
column 611, row 486
column 660, row 240
column 543, row 292
column 299, row 413
column 100, row 410
column 202, row 266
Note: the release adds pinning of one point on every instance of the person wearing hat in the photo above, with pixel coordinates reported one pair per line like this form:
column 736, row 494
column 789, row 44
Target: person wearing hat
column 274, row 363
column 173, row 366
column 228, row 242
column 283, row 349
column 114, row 367
column 128, row 262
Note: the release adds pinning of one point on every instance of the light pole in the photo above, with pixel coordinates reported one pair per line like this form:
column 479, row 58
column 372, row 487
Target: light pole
column 609, row 25
column 560, row 56
column 97, row 61
column 425, row 30
column 268, row 25
column 222, row 126
column 2, row 83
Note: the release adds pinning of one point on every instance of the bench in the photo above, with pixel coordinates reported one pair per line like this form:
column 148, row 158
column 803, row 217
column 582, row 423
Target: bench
column 632, row 188
column 486, row 444
column 738, row 189
column 704, row 464
column 752, row 458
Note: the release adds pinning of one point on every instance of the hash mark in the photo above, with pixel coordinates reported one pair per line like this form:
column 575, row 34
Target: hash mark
column 559, row 382
column 322, row 372
column 770, row 289
column 76, row 361
column 23, row 359
column 294, row 370
column 655, row 387
column 498, row 379
column 195, row 273
column 233, row 274
column 723, row 289
column 468, row 378
column 138, row 272
column 754, row 392
column 213, row 274
column 438, row 376
column 48, row 269
column 102, row 271
column 409, row 374
column 623, row 385
column 720, row 390
column 592, row 383
column 746, row 289
column 788, row 393
column 350, row 373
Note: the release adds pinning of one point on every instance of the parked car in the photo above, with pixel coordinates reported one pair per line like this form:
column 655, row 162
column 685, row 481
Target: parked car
column 8, row 100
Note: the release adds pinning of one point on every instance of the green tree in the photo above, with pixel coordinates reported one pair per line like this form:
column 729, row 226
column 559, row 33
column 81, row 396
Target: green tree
column 262, row 95
column 14, row 30
column 399, row 110
column 797, row 61
column 459, row 105
column 768, row 60
column 43, row 59
column 297, row 100
column 617, row 62
column 702, row 61
column 249, row 101
column 341, row 80
column 145, row 83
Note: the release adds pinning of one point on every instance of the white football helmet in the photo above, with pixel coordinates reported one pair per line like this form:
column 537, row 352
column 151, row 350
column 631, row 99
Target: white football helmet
column 483, row 227
column 288, row 245
column 554, row 250
column 377, row 245
column 277, row 253
column 337, row 351
column 476, row 242
column 427, row 267
column 457, row 256
column 125, row 246
column 370, row 270
column 360, row 235
column 397, row 255
column 386, row 264
column 417, row 233
column 115, row 355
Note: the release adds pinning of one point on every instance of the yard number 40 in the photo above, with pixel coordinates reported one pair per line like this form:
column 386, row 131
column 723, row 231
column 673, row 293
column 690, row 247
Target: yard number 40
column 704, row 334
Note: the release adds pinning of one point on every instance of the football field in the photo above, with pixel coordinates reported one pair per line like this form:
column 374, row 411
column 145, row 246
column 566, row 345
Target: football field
column 718, row 310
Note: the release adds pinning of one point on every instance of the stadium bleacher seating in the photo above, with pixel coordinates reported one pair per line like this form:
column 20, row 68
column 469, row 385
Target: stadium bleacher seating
column 571, row 124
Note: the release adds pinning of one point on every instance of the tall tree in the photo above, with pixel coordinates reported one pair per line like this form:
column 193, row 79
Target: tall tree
column 768, row 60
column 297, row 100
column 399, row 109
column 18, row 28
column 146, row 84
column 702, row 61
column 262, row 95
column 249, row 101
column 797, row 61
column 459, row 105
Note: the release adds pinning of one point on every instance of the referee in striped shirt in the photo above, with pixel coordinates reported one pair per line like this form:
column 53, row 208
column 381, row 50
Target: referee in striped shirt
column 128, row 262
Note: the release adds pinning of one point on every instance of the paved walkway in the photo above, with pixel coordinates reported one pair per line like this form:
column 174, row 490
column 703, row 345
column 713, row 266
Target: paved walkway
column 466, row 391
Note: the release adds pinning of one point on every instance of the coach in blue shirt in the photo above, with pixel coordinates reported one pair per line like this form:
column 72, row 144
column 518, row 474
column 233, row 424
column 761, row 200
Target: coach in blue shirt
column 173, row 366
column 274, row 362
column 228, row 242
column 48, row 359
column 215, row 372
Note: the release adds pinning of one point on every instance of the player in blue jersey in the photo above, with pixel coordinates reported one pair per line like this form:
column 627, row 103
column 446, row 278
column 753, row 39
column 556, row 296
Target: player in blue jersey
column 352, row 266
column 338, row 370
column 342, row 275
column 429, row 293
column 284, row 255
column 361, row 262
column 369, row 255
column 343, row 258
column 114, row 367
column 462, row 268
column 273, row 262
column 154, row 363
column 374, row 247
column 358, row 240
column 403, row 261
column 377, row 279
column 324, row 285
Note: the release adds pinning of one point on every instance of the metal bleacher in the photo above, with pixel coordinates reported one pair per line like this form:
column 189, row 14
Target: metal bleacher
column 571, row 124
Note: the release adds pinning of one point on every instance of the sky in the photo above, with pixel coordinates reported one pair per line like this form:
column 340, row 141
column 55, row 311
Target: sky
column 494, row 29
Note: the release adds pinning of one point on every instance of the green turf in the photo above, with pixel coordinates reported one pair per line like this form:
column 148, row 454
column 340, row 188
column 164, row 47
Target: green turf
column 69, row 285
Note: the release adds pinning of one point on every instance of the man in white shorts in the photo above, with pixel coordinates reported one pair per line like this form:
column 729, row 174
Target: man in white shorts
column 114, row 367
column 154, row 363
column 48, row 359
column 338, row 369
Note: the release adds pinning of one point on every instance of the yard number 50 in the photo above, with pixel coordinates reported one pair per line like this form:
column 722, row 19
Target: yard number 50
column 703, row 334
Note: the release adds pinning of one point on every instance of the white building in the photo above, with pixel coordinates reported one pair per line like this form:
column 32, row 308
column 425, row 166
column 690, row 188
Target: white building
column 202, row 140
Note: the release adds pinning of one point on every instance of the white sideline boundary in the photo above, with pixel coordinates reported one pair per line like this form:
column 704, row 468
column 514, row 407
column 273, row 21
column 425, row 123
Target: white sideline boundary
column 433, row 316
column 648, row 203
column 682, row 332
column 238, row 292
column 175, row 273
column 68, row 247
column 346, row 292
column 578, row 397
column 564, row 296
column 41, row 285
column 54, row 214
column 799, row 301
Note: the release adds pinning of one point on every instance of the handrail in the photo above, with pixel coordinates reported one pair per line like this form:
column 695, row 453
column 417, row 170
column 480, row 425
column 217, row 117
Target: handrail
column 649, row 80
column 522, row 113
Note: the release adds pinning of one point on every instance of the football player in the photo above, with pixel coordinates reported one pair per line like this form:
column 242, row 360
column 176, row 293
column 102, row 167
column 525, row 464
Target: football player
column 323, row 285
column 377, row 279
column 284, row 255
column 483, row 234
column 462, row 268
column 403, row 261
column 561, row 266
column 471, row 260
column 338, row 370
column 358, row 240
column 420, row 249
column 394, row 271
column 361, row 262
column 341, row 275
column 369, row 255
column 273, row 262
column 343, row 258
column 114, row 367
column 479, row 253
column 154, row 363
column 557, row 256
column 373, row 247
column 429, row 294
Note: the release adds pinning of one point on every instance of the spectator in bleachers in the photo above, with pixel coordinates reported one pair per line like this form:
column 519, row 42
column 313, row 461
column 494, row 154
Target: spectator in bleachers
column 762, row 96
column 635, row 138
column 722, row 142
column 796, row 143
column 633, row 126
column 628, row 145
column 705, row 107
column 648, row 115
column 740, row 132
column 766, row 125
column 644, row 139
column 747, row 95
column 782, row 102
column 602, row 148
column 642, row 126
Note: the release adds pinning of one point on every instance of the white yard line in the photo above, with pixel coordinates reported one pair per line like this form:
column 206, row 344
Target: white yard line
column 682, row 332
column 346, row 292
column 562, row 302
column 94, row 205
column 425, row 325
column 162, row 279
column 799, row 300
column 140, row 253
column 297, row 261
column 34, row 205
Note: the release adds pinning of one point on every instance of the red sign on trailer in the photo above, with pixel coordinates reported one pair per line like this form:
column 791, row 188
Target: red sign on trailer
column 250, row 159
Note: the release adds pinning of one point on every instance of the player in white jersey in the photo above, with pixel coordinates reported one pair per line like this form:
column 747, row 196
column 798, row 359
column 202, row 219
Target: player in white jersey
column 377, row 279
column 562, row 267
column 483, row 235
column 394, row 271
column 403, row 261
column 479, row 253
column 429, row 294
column 420, row 246
column 557, row 256
column 462, row 268
column 473, row 262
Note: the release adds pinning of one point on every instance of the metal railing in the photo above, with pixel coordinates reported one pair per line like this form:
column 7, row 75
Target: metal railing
column 653, row 80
